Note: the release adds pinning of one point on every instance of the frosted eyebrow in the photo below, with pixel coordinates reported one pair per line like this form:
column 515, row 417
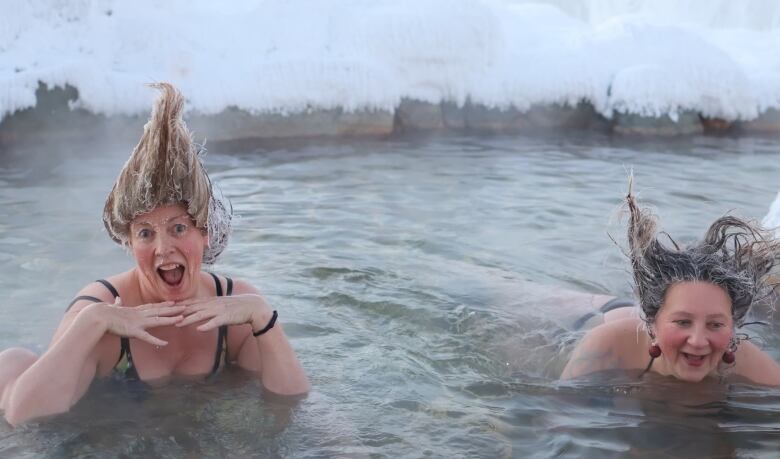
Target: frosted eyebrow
column 187, row 216
column 166, row 221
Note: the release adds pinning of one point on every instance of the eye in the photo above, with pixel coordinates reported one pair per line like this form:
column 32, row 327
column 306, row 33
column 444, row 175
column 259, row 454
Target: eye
column 683, row 322
column 716, row 325
column 179, row 228
column 144, row 233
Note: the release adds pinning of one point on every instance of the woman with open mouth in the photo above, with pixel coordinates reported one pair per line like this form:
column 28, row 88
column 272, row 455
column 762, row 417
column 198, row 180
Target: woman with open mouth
column 692, row 302
column 166, row 317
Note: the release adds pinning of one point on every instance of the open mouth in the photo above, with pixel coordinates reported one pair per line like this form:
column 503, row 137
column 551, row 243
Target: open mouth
column 694, row 360
column 171, row 274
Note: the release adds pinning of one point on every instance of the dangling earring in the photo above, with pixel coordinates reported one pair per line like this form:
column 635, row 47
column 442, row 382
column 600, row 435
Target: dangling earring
column 728, row 356
column 655, row 349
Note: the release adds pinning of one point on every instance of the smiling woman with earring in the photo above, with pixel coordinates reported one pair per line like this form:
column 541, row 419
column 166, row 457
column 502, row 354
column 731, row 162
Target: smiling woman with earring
column 692, row 300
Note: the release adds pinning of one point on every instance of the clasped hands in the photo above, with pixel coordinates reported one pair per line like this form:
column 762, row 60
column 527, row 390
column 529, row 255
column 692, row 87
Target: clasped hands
column 133, row 322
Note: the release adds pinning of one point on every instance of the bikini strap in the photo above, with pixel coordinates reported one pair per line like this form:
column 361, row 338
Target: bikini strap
column 614, row 303
column 221, row 341
column 106, row 283
column 223, row 330
column 110, row 287
column 129, row 372
column 647, row 368
column 217, row 283
column 83, row 297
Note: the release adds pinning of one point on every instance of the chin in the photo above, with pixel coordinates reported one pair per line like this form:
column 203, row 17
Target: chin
column 691, row 378
column 168, row 292
column 176, row 293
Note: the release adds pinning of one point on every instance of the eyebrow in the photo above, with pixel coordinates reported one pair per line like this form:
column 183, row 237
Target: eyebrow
column 688, row 314
column 167, row 220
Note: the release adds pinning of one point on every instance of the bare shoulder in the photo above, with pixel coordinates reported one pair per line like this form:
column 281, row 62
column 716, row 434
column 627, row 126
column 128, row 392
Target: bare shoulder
column 242, row 287
column 756, row 365
column 612, row 345
column 237, row 286
column 92, row 293
column 89, row 294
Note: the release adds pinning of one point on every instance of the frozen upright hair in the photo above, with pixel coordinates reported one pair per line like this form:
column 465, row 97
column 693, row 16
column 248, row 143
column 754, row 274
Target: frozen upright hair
column 165, row 168
column 736, row 255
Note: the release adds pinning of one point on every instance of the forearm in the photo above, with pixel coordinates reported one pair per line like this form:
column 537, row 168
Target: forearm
column 61, row 375
column 281, row 372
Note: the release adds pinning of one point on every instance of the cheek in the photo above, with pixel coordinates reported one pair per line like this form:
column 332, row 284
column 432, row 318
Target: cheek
column 142, row 254
column 193, row 250
column 671, row 338
column 720, row 339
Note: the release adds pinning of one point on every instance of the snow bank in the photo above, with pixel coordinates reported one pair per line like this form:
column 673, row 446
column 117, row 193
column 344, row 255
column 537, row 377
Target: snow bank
column 646, row 57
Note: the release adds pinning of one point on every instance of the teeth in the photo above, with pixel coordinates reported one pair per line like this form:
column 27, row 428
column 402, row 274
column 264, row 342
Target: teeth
column 169, row 266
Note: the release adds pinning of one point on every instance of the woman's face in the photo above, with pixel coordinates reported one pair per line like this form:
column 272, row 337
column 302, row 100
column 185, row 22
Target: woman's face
column 168, row 248
column 693, row 329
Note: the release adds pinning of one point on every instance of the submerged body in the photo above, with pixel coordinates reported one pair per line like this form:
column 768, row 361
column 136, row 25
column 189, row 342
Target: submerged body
column 170, row 321
column 693, row 330
column 692, row 301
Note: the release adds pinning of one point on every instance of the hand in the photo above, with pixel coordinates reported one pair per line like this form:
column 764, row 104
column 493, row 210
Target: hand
column 225, row 310
column 132, row 322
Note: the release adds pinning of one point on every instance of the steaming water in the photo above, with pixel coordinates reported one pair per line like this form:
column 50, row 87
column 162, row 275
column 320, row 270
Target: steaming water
column 417, row 281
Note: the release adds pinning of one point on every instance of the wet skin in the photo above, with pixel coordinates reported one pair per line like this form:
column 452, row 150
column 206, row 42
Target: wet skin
column 693, row 329
column 166, row 239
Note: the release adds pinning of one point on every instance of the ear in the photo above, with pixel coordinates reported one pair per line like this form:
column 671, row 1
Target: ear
column 205, row 235
column 650, row 327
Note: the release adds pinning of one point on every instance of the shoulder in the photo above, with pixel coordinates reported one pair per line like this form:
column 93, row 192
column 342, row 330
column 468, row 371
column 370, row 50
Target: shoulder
column 90, row 293
column 236, row 286
column 615, row 331
column 756, row 365
column 611, row 345
column 241, row 287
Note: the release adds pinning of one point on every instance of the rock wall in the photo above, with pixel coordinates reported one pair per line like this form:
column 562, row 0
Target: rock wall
column 52, row 116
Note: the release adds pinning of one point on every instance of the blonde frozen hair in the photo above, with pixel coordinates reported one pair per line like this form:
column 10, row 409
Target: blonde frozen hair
column 165, row 168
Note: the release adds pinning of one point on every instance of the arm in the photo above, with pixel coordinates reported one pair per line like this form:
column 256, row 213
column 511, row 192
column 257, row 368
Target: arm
column 61, row 376
column 603, row 348
column 270, row 355
column 273, row 357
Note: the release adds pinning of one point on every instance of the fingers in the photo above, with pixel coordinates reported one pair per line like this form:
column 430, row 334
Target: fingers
column 210, row 325
column 146, row 336
column 191, row 318
column 194, row 302
column 145, row 307
column 160, row 321
column 164, row 311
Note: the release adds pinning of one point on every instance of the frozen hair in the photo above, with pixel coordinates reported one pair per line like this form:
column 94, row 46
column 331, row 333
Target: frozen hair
column 735, row 254
column 165, row 168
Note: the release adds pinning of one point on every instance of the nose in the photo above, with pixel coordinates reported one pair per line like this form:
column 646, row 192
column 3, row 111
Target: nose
column 698, row 337
column 163, row 246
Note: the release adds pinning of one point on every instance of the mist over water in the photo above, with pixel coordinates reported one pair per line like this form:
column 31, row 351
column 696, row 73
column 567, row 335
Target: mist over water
column 419, row 281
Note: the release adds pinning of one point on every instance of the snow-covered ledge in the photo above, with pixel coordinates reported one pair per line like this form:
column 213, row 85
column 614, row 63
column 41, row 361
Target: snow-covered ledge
column 55, row 115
